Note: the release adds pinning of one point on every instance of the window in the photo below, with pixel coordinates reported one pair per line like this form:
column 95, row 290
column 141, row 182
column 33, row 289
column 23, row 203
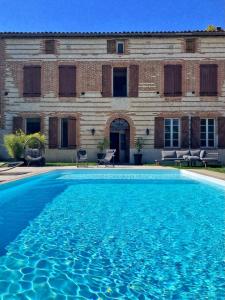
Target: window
column 67, row 81
column 64, row 133
column 68, row 132
column 32, row 81
column 173, row 80
column 190, row 45
column 33, row 125
column 119, row 47
column 50, row 46
column 207, row 132
column 208, row 80
column 172, row 133
column 120, row 82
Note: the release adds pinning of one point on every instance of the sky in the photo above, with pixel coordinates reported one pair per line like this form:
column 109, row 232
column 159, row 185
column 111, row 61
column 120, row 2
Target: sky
column 110, row 15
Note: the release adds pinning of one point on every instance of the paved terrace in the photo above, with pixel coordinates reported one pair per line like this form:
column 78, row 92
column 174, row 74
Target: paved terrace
column 23, row 172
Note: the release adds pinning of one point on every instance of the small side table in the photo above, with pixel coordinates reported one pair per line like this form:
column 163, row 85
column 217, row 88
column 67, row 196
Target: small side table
column 156, row 162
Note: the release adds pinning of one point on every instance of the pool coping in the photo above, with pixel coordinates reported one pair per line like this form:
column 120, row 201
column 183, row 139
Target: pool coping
column 197, row 175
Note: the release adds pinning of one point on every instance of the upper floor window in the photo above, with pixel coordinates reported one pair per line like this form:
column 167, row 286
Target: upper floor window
column 67, row 81
column 32, row 81
column 208, row 80
column 33, row 125
column 173, row 80
column 190, row 45
column 50, row 46
column 172, row 133
column 119, row 47
column 115, row 46
column 207, row 132
column 119, row 82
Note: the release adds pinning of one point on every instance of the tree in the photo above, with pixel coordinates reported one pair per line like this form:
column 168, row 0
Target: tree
column 211, row 28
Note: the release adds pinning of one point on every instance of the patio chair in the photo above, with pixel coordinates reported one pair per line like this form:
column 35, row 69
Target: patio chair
column 212, row 157
column 82, row 156
column 34, row 152
column 6, row 166
column 109, row 157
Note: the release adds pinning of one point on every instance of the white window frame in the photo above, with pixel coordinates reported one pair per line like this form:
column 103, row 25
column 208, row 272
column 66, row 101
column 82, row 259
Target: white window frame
column 117, row 46
column 171, row 133
column 207, row 133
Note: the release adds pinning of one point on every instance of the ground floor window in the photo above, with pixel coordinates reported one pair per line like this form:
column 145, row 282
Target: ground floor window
column 172, row 133
column 207, row 133
column 64, row 133
column 33, row 125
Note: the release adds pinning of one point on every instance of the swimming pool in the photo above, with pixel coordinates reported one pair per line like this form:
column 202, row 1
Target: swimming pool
column 112, row 234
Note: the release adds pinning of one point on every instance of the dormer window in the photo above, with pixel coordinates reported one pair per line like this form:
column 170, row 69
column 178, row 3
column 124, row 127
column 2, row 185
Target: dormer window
column 119, row 47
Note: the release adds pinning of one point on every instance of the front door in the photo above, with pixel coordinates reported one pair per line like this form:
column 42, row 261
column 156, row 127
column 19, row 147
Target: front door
column 120, row 140
column 115, row 144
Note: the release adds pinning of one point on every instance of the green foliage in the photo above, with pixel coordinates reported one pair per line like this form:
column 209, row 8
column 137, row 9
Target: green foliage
column 211, row 28
column 14, row 143
column 139, row 144
column 103, row 144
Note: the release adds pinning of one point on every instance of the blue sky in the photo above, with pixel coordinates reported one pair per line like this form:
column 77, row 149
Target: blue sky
column 110, row 15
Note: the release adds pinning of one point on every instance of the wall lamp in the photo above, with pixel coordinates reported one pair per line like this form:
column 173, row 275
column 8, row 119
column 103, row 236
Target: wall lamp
column 93, row 131
column 147, row 131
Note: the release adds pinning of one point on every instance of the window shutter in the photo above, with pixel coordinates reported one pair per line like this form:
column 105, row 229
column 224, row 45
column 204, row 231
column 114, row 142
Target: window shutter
column 50, row 46
column 17, row 124
column 159, row 132
column 190, row 45
column 208, row 80
column 221, row 132
column 106, row 81
column 72, row 133
column 67, row 81
column 111, row 46
column 32, row 81
column 134, row 80
column 173, row 80
column 195, row 132
column 53, row 132
column 185, row 132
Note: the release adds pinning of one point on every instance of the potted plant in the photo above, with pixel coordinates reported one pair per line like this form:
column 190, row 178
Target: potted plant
column 138, row 156
column 102, row 145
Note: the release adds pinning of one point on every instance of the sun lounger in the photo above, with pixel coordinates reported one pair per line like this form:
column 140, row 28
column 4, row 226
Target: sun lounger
column 109, row 157
column 10, row 165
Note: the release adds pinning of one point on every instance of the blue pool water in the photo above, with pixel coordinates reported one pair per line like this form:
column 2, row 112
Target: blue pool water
column 112, row 234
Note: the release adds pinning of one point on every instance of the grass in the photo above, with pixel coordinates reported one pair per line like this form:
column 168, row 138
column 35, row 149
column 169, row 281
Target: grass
column 68, row 164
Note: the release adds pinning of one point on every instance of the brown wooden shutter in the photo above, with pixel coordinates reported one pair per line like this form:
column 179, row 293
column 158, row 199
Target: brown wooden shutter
column 208, row 80
column 221, row 132
column 159, row 132
column 53, row 132
column 185, row 132
column 190, row 45
column 17, row 124
column 32, row 81
column 111, row 46
column 50, row 46
column 134, row 80
column 72, row 132
column 195, row 132
column 67, row 81
column 173, row 80
column 106, row 81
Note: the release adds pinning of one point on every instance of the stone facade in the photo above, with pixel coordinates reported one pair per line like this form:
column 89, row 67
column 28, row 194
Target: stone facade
column 89, row 53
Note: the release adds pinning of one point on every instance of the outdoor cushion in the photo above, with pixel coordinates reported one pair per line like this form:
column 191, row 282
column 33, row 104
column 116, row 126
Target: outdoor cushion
column 202, row 154
column 195, row 152
column 180, row 154
column 169, row 154
column 192, row 157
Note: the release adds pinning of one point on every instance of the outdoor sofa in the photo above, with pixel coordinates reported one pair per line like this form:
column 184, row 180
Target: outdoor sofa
column 190, row 156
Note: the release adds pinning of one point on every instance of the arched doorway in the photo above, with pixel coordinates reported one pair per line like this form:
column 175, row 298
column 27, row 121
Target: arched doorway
column 120, row 140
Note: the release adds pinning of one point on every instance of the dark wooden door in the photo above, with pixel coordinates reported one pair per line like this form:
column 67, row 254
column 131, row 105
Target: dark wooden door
column 115, row 144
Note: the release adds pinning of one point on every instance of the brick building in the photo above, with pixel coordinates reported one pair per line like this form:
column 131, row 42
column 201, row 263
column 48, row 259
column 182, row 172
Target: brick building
column 76, row 88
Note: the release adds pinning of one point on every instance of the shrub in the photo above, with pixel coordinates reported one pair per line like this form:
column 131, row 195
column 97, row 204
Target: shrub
column 103, row 144
column 14, row 143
